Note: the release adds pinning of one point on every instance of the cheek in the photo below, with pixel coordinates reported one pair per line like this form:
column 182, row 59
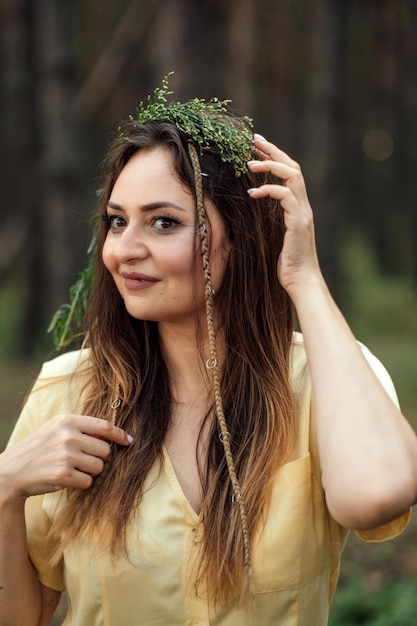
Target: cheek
column 177, row 257
column 218, row 264
column 107, row 256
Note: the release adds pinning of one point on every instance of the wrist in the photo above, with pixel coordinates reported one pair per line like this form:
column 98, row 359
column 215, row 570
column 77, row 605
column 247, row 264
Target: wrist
column 11, row 504
column 10, row 497
column 308, row 292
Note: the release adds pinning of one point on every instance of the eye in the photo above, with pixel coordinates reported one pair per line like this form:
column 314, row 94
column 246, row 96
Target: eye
column 164, row 223
column 115, row 222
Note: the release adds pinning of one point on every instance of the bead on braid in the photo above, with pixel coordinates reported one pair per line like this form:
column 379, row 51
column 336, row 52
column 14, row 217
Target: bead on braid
column 212, row 363
column 114, row 407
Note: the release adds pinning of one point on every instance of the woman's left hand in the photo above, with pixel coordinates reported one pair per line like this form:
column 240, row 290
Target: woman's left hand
column 298, row 260
column 367, row 449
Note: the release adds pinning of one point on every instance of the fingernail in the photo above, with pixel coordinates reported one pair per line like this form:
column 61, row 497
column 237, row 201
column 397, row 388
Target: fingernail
column 129, row 438
column 251, row 191
column 254, row 162
column 259, row 137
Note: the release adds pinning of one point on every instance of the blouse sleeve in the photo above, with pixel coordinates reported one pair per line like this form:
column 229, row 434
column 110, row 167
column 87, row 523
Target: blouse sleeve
column 57, row 390
column 395, row 527
column 339, row 534
column 40, row 547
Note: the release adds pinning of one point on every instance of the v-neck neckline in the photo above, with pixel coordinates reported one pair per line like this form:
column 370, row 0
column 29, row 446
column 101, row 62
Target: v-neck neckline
column 177, row 488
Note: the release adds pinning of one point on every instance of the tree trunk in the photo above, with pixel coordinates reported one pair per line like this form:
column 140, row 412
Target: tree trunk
column 57, row 240
column 324, row 130
column 408, row 133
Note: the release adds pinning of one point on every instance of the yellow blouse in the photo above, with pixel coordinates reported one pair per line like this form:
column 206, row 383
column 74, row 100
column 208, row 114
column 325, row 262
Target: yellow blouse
column 295, row 559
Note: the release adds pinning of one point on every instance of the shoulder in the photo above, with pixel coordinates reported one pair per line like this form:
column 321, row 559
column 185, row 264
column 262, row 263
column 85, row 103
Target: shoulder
column 298, row 357
column 62, row 380
column 58, row 389
column 380, row 372
column 66, row 364
column 300, row 372
column 298, row 366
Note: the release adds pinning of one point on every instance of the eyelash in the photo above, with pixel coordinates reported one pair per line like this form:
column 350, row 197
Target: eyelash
column 109, row 219
column 174, row 222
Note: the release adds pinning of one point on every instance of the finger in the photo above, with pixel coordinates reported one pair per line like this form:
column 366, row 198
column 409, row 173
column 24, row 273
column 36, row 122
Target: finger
column 278, row 192
column 73, row 478
column 295, row 212
column 102, row 429
column 271, row 151
column 89, row 464
column 77, row 471
column 288, row 176
column 60, row 475
column 96, row 446
column 280, row 170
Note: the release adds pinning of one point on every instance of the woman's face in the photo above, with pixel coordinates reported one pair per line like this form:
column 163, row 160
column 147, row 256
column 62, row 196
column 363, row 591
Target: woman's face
column 151, row 248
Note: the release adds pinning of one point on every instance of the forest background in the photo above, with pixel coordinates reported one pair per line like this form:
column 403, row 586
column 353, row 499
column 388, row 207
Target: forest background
column 333, row 82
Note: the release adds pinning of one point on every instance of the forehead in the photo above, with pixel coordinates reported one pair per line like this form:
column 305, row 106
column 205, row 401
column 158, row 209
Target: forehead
column 149, row 175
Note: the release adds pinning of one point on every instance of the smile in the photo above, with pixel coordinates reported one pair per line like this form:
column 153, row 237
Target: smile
column 136, row 282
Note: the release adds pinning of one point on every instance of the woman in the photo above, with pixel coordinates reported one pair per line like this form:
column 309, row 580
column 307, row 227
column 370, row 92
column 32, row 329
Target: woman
column 198, row 462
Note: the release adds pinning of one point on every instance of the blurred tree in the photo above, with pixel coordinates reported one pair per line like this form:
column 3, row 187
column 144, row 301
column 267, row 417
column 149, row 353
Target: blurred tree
column 107, row 70
column 325, row 127
column 18, row 141
column 383, row 63
column 45, row 160
column 332, row 82
column 407, row 129
column 55, row 241
column 385, row 201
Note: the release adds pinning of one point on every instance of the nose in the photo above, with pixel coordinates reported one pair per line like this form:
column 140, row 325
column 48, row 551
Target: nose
column 130, row 245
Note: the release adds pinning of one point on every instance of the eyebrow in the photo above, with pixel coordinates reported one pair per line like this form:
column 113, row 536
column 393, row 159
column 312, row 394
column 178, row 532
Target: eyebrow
column 152, row 206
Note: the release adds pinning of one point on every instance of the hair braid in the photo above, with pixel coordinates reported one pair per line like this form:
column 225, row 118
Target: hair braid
column 213, row 365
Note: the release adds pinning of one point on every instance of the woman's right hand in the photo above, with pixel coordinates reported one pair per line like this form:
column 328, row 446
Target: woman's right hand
column 66, row 451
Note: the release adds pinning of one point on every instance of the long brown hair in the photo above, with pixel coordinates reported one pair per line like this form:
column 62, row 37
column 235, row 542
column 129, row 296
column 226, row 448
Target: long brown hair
column 127, row 363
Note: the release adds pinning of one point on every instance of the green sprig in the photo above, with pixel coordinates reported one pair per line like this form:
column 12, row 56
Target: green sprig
column 70, row 316
column 206, row 123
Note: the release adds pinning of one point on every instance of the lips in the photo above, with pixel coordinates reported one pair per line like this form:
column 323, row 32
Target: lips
column 135, row 282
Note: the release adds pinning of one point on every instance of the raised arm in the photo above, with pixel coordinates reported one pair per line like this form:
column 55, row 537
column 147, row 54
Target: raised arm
column 67, row 451
column 368, row 451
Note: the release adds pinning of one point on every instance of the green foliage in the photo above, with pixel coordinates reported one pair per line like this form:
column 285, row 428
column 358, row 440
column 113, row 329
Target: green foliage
column 392, row 603
column 376, row 304
column 63, row 320
column 382, row 311
column 11, row 307
column 204, row 122
column 70, row 316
